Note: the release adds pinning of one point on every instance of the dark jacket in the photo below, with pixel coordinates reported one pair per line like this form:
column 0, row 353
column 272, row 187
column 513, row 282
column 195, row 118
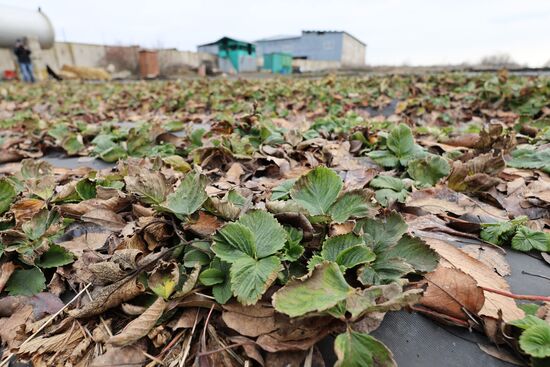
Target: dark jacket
column 23, row 54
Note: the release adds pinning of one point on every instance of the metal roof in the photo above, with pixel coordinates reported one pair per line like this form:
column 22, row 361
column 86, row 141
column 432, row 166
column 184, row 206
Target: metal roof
column 225, row 39
column 355, row 38
column 279, row 37
column 287, row 37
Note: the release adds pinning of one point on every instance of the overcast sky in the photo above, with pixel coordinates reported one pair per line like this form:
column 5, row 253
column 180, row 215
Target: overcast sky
column 416, row 32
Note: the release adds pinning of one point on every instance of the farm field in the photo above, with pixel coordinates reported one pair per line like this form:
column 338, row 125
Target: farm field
column 354, row 221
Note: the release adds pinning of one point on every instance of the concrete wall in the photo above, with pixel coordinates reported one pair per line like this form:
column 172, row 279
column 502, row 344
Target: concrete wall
column 7, row 59
column 315, row 65
column 121, row 57
column 170, row 58
column 353, row 51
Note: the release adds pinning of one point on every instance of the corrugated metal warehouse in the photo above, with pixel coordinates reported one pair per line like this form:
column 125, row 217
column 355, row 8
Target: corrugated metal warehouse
column 317, row 45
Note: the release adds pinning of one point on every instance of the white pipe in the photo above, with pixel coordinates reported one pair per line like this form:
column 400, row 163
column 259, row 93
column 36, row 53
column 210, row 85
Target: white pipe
column 17, row 23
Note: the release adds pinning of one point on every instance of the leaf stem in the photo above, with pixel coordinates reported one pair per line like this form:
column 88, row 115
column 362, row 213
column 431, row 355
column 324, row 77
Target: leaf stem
column 516, row 296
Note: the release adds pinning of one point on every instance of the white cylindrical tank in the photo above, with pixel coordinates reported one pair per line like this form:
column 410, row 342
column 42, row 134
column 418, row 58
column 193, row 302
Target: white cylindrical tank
column 17, row 23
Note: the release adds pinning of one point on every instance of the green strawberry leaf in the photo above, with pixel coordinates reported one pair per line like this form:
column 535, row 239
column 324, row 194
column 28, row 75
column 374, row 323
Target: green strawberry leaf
column 384, row 270
column 269, row 235
column 527, row 322
column 356, row 255
column 39, row 223
column 317, row 190
column 283, row 190
column 389, row 189
column 333, row 246
column 233, row 242
column 401, row 142
column 7, row 195
column 250, row 278
column 429, row 170
column 211, row 276
column 221, row 291
column 293, row 248
column 415, row 252
column 318, row 291
column 352, row 204
column 535, row 341
column 54, row 257
column 189, row 196
column 381, row 233
column 26, row 282
column 72, row 144
column 526, row 239
column 86, row 189
column 384, row 158
column 355, row 349
column 532, row 159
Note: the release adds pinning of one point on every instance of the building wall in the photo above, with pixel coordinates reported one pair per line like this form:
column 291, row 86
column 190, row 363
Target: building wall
column 170, row 58
column 287, row 45
column 122, row 57
column 7, row 61
column 312, row 46
column 353, row 52
column 306, row 66
column 321, row 46
column 211, row 49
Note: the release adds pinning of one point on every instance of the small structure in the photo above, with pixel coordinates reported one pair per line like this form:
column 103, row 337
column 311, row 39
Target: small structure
column 234, row 56
column 148, row 64
column 334, row 46
column 278, row 63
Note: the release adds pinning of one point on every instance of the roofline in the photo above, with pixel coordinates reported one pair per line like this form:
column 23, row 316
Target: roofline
column 355, row 38
column 295, row 37
column 349, row 34
column 278, row 39
column 231, row 38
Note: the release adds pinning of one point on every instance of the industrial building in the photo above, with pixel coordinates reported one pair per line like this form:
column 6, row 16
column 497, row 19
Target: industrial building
column 234, row 56
column 335, row 46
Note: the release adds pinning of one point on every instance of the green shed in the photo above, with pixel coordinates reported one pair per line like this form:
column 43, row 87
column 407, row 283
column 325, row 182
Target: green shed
column 278, row 63
column 234, row 55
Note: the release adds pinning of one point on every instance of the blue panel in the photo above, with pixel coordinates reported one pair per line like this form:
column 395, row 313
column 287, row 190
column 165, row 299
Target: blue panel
column 311, row 45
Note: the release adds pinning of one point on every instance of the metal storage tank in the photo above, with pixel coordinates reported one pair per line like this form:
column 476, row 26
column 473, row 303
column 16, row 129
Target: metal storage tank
column 17, row 23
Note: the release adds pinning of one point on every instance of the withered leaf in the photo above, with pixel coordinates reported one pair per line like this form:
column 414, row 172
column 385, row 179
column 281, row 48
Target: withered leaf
column 453, row 293
column 108, row 297
column 139, row 327
column 252, row 320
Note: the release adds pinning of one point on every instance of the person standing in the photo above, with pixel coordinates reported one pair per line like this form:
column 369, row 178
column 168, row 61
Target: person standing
column 24, row 59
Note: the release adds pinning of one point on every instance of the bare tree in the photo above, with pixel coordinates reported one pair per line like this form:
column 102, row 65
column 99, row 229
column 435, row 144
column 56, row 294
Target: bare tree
column 499, row 61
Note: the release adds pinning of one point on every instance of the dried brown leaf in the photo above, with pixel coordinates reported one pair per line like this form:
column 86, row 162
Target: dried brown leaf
column 6, row 270
column 484, row 276
column 130, row 356
column 491, row 257
column 452, row 292
column 139, row 327
column 252, row 320
column 105, row 218
column 205, row 225
column 108, row 297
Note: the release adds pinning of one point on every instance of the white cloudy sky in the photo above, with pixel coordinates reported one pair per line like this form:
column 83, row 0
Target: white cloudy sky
column 417, row 32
